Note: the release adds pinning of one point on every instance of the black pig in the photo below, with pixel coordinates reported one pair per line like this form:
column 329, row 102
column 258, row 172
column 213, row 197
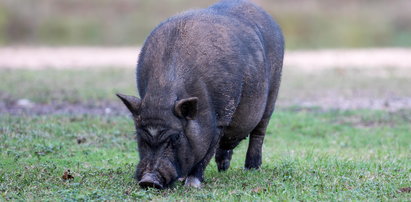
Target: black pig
column 207, row 79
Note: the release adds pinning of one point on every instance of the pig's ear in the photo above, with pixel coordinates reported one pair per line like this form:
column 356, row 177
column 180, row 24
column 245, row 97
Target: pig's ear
column 132, row 103
column 186, row 108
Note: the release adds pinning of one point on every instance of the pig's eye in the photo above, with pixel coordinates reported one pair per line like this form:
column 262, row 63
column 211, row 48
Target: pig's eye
column 143, row 134
column 171, row 139
column 174, row 137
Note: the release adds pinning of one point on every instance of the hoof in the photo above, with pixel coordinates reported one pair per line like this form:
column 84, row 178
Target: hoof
column 192, row 182
column 223, row 165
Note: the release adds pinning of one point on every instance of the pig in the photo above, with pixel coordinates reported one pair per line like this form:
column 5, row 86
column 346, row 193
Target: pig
column 207, row 79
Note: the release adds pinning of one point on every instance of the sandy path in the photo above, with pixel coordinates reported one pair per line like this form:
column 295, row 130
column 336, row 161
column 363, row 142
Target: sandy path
column 81, row 57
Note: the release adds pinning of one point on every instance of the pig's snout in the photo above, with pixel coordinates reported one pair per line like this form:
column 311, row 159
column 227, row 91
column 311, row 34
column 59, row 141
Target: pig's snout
column 150, row 180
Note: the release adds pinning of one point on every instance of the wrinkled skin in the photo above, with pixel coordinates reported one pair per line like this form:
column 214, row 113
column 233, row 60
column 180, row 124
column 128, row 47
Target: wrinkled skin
column 207, row 80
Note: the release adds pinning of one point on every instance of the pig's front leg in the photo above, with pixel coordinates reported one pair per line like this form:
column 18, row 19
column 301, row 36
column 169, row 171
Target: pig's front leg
column 196, row 176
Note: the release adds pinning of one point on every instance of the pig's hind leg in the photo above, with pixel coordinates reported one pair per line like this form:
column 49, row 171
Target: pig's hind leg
column 255, row 144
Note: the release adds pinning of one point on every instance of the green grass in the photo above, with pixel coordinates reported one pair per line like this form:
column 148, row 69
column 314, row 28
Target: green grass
column 73, row 86
column 308, row 155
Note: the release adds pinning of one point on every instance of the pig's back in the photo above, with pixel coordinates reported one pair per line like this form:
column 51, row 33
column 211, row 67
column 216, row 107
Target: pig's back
column 220, row 54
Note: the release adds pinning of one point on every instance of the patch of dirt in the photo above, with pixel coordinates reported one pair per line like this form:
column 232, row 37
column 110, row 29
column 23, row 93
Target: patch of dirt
column 112, row 108
column 328, row 102
column 349, row 58
column 67, row 57
column 86, row 57
column 104, row 108
column 390, row 119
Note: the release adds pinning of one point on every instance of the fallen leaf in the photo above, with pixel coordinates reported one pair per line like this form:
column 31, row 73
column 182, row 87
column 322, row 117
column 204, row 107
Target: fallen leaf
column 405, row 190
column 259, row 189
column 232, row 192
column 81, row 140
column 67, row 175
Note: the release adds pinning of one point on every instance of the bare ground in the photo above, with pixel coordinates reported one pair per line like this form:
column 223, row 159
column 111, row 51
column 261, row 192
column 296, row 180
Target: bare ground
column 116, row 108
column 62, row 108
column 309, row 60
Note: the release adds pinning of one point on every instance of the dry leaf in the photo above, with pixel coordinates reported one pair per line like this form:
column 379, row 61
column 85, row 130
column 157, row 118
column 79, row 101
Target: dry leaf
column 67, row 175
column 81, row 140
column 259, row 189
column 405, row 190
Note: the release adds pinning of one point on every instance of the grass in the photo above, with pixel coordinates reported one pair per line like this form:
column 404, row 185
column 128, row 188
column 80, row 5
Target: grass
column 73, row 86
column 308, row 155
column 100, row 84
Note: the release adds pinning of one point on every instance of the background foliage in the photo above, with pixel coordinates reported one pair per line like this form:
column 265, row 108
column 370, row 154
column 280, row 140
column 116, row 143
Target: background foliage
column 306, row 23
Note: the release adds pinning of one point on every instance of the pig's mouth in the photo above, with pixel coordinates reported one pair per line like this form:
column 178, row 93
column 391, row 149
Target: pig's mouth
column 153, row 180
column 150, row 180
column 165, row 174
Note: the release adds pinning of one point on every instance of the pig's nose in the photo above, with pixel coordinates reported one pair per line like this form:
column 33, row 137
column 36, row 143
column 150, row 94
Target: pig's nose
column 150, row 180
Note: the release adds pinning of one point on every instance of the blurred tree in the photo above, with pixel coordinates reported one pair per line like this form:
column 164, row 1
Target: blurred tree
column 306, row 23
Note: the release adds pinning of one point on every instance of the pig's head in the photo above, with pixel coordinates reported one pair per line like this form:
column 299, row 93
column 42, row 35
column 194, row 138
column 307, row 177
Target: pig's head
column 165, row 138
